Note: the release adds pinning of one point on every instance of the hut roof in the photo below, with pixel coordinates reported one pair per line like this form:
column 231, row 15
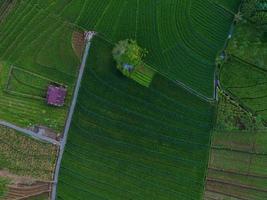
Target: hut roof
column 56, row 95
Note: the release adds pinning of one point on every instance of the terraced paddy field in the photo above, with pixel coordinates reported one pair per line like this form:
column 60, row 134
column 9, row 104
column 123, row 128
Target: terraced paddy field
column 237, row 166
column 131, row 142
column 39, row 46
column 182, row 38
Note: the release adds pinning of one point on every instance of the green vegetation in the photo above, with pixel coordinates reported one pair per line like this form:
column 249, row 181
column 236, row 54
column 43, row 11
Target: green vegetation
column 182, row 38
column 237, row 167
column 131, row 142
column 128, row 56
column 250, row 45
column 40, row 43
column 231, row 116
column 24, row 156
column 244, row 74
column 3, row 186
column 255, row 11
column 126, row 141
column 41, row 197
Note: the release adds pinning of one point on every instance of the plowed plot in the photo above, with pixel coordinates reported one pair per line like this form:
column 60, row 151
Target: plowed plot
column 5, row 8
column 24, row 156
column 237, row 166
column 131, row 142
column 182, row 37
column 28, row 191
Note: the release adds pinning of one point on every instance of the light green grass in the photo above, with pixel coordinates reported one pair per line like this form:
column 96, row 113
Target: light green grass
column 40, row 43
column 143, row 75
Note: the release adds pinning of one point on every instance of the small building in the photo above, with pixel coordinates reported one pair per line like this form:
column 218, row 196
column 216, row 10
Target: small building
column 56, row 95
column 128, row 67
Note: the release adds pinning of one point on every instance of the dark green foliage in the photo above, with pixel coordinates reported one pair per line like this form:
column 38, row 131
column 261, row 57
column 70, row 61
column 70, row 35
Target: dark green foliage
column 255, row 11
column 132, row 142
column 233, row 117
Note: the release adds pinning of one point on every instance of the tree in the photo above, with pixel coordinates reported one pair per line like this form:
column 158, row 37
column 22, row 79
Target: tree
column 255, row 11
column 128, row 56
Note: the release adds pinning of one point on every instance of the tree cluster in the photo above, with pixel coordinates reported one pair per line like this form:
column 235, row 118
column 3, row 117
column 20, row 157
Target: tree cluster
column 255, row 11
column 128, row 56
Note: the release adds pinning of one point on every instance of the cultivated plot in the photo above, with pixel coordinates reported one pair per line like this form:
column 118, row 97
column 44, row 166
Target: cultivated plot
column 237, row 166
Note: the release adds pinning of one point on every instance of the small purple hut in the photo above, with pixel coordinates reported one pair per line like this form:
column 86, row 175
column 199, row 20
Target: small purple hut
column 56, row 95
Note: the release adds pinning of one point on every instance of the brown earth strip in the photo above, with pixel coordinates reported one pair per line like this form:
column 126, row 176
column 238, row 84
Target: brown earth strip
column 236, row 185
column 78, row 43
column 6, row 8
column 238, row 173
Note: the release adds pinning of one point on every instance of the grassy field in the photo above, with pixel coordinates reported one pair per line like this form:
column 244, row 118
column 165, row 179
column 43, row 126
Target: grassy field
column 131, row 142
column 24, row 156
column 238, row 165
column 181, row 37
column 39, row 43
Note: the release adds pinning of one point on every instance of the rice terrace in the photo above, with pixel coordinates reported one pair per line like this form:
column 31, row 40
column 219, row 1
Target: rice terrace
column 133, row 99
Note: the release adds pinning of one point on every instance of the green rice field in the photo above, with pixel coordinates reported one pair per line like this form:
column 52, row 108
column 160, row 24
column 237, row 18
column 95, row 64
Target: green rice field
column 126, row 141
column 181, row 37
column 131, row 142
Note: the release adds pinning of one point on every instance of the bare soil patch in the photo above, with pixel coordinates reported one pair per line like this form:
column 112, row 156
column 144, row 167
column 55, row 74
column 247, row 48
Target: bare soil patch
column 78, row 43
